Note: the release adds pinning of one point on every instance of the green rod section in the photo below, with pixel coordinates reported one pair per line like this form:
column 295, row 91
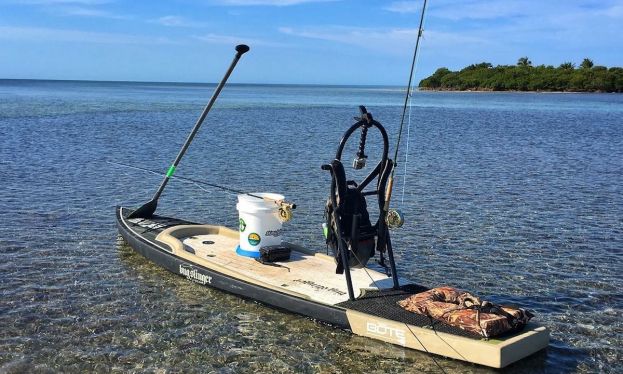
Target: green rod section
column 170, row 171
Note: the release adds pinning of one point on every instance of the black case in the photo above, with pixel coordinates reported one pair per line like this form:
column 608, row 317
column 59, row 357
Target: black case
column 275, row 253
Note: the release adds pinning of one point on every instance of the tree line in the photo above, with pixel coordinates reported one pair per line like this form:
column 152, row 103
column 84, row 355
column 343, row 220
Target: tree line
column 587, row 77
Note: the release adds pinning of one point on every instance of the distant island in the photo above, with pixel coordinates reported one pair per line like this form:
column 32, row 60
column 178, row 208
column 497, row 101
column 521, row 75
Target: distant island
column 525, row 77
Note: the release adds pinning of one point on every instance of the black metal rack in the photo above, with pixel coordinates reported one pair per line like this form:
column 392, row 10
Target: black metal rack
column 381, row 172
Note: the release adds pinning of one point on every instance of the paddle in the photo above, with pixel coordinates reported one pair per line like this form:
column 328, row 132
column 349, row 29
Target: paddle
column 148, row 209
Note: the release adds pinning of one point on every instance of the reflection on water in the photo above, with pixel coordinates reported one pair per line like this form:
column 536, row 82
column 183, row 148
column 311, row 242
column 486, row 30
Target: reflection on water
column 516, row 197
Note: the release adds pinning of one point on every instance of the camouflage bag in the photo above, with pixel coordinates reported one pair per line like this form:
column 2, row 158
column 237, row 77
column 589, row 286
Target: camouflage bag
column 466, row 311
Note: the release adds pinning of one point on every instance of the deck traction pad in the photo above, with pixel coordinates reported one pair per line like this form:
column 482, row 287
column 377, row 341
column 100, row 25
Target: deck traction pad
column 383, row 304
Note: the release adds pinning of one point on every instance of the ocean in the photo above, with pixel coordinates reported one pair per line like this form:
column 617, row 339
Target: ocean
column 517, row 197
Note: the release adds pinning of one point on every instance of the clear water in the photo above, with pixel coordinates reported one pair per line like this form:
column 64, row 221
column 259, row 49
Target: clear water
column 517, row 197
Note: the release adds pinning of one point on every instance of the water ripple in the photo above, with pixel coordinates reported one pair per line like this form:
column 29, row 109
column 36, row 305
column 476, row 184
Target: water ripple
column 517, row 197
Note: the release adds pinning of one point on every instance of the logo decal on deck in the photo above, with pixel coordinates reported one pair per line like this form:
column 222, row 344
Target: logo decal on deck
column 254, row 239
column 381, row 329
column 193, row 275
column 320, row 287
column 142, row 222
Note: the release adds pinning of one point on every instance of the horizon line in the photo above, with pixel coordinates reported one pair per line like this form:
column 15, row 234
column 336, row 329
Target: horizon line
column 197, row 83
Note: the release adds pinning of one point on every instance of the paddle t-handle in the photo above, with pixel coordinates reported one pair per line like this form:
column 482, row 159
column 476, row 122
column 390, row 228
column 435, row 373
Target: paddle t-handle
column 148, row 209
column 241, row 49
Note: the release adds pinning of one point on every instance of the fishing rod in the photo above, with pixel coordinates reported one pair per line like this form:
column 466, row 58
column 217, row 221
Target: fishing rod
column 147, row 210
column 394, row 216
column 285, row 208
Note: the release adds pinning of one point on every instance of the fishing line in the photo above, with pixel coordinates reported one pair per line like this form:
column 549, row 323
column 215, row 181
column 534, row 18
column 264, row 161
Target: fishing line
column 197, row 183
column 406, row 325
column 404, row 180
column 189, row 180
column 404, row 176
column 404, row 108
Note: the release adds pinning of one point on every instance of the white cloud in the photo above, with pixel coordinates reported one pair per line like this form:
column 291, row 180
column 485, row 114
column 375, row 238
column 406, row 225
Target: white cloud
column 481, row 10
column 393, row 40
column 89, row 12
column 177, row 21
column 405, row 7
column 232, row 39
column 66, row 35
column 548, row 32
column 80, row 8
column 351, row 35
column 495, row 9
column 270, row 2
column 475, row 9
column 85, row 12
column 615, row 11
column 63, row 2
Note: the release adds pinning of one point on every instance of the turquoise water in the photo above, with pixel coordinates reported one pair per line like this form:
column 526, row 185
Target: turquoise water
column 515, row 196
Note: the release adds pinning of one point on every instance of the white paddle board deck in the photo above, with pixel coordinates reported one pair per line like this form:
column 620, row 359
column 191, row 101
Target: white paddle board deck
column 310, row 275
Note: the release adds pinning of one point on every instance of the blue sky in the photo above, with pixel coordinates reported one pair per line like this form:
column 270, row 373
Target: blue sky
column 296, row 41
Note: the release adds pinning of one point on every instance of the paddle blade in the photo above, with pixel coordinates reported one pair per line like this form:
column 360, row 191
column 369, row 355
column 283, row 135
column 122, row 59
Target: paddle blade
column 145, row 211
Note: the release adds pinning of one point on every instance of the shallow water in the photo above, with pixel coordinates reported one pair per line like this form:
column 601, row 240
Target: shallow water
column 517, row 197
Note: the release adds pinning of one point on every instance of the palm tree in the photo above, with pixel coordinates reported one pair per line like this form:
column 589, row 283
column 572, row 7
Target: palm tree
column 524, row 61
column 587, row 63
column 567, row 65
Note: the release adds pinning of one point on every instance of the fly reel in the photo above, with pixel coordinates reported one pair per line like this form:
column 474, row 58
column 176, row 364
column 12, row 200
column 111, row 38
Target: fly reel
column 285, row 211
column 395, row 219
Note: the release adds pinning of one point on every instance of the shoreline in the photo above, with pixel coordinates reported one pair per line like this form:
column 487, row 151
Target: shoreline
column 513, row 91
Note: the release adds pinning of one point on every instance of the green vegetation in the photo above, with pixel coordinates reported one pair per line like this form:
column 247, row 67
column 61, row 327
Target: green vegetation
column 525, row 77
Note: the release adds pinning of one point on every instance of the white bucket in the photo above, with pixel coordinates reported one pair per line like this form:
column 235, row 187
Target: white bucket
column 259, row 223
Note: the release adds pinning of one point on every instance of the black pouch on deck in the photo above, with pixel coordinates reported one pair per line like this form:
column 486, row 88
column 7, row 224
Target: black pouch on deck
column 274, row 253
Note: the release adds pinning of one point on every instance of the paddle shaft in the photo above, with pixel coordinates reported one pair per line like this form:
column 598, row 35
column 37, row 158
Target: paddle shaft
column 240, row 50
